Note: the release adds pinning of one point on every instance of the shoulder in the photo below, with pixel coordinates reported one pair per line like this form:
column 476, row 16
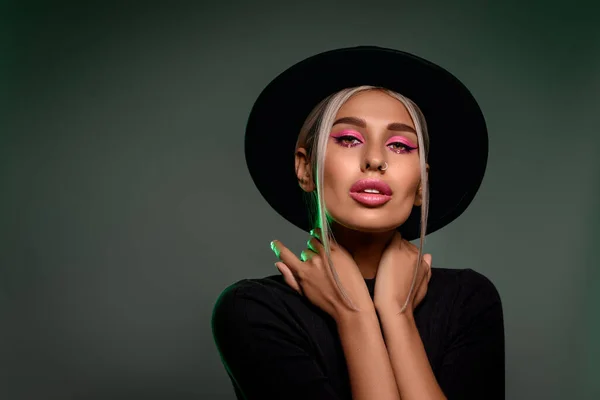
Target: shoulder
column 253, row 290
column 466, row 292
column 475, row 285
column 252, row 311
column 465, row 283
column 248, row 301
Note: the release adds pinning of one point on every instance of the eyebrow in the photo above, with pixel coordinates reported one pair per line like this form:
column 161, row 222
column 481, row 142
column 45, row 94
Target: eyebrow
column 394, row 126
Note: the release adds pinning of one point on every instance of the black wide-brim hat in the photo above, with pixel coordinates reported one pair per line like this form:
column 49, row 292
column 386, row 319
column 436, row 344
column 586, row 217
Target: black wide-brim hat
column 458, row 149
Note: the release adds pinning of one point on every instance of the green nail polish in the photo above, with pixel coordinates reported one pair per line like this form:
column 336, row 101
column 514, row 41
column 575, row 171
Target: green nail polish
column 274, row 248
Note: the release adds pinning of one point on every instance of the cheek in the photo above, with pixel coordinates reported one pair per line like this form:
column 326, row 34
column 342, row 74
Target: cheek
column 408, row 175
column 333, row 173
column 413, row 181
column 338, row 167
column 339, row 173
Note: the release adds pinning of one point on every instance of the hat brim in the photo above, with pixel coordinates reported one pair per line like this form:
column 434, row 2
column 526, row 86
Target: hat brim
column 458, row 135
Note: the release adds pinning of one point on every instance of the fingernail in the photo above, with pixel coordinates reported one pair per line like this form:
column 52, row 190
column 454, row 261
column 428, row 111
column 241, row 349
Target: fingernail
column 279, row 269
column 274, row 248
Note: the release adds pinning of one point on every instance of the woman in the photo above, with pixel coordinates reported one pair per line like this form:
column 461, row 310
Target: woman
column 362, row 315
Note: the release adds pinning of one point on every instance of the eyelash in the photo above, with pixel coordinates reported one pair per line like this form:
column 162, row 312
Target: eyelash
column 342, row 139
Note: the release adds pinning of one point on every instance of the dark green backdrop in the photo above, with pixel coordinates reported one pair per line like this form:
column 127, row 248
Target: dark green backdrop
column 126, row 208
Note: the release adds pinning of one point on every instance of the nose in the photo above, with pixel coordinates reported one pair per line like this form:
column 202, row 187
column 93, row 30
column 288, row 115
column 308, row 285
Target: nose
column 374, row 161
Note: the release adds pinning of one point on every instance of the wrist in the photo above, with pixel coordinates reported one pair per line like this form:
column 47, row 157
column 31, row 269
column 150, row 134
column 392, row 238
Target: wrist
column 352, row 317
column 394, row 312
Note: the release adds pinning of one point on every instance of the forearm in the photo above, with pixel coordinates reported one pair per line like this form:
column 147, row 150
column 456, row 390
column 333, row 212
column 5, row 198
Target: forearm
column 369, row 368
column 410, row 365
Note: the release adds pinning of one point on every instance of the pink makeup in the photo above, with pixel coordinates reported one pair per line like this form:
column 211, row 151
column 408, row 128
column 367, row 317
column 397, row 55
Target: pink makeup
column 371, row 192
column 348, row 132
column 349, row 138
column 346, row 137
column 402, row 140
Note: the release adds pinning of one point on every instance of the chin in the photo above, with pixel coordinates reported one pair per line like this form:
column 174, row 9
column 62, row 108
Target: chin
column 370, row 225
column 372, row 220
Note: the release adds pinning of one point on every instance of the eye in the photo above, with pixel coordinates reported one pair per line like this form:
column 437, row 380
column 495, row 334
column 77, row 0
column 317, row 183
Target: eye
column 399, row 147
column 347, row 141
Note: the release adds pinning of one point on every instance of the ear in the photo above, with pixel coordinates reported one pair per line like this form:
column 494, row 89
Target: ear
column 303, row 170
column 419, row 196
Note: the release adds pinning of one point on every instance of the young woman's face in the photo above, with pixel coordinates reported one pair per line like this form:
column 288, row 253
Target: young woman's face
column 371, row 129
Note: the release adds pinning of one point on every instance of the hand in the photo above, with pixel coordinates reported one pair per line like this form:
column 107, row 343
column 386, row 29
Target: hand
column 313, row 278
column 395, row 274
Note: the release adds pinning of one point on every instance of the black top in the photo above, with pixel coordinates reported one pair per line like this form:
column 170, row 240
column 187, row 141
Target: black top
column 275, row 344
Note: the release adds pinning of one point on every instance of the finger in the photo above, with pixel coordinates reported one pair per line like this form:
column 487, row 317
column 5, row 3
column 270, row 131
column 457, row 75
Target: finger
column 426, row 273
column 423, row 269
column 424, row 281
column 307, row 254
column 288, row 277
column 315, row 245
column 316, row 232
column 427, row 259
column 430, row 268
column 422, row 289
column 286, row 255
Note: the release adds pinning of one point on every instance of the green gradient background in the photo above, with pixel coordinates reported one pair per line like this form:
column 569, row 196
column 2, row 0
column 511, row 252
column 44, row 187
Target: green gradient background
column 126, row 208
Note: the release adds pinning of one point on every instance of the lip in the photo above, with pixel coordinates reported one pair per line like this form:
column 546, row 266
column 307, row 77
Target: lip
column 371, row 199
column 376, row 184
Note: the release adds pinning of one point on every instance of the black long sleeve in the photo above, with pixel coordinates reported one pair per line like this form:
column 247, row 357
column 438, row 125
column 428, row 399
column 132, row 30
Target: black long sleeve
column 275, row 344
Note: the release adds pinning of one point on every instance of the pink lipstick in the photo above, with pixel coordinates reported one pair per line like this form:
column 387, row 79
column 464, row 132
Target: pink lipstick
column 371, row 192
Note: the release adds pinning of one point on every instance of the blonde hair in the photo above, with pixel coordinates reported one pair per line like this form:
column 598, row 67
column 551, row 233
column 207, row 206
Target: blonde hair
column 314, row 136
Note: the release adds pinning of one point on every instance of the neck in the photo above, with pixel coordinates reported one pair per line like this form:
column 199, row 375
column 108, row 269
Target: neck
column 365, row 248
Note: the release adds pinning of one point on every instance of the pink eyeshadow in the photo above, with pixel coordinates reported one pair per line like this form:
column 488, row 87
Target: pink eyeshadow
column 349, row 133
column 402, row 139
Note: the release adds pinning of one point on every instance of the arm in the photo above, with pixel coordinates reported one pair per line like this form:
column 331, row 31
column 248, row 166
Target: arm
column 413, row 373
column 369, row 368
column 473, row 362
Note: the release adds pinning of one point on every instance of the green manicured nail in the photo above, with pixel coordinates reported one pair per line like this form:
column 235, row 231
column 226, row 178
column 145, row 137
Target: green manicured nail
column 274, row 248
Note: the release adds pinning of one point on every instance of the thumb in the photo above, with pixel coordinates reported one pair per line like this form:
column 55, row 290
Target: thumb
column 427, row 259
column 288, row 277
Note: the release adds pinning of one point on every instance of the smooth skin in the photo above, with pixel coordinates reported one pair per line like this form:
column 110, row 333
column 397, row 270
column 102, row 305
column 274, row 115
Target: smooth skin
column 368, row 245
